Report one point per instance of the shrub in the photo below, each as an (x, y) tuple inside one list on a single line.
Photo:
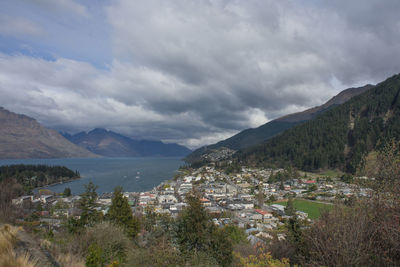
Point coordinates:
[(109, 238)]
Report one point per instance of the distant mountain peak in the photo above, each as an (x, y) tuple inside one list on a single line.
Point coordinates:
[(111, 144), (98, 130)]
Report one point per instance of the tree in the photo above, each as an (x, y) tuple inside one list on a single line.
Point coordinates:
[(95, 256), (281, 186), (9, 189), (271, 199), (193, 227), (289, 209), (347, 178), (260, 196), (150, 219), (235, 234), (121, 214), (89, 215), (220, 247), (261, 260), (196, 233), (388, 175), (67, 192), (110, 238), (313, 187)]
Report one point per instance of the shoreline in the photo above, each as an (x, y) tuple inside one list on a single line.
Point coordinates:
[(57, 183), (108, 174)]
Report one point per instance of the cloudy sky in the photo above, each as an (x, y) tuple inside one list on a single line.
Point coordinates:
[(192, 72)]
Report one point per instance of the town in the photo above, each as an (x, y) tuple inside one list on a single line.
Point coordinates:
[(253, 199)]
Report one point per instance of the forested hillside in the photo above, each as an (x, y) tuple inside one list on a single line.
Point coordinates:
[(339, 138), (32, 176), (255, 136)]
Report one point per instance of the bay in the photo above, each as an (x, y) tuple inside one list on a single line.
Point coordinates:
[(133, 174)]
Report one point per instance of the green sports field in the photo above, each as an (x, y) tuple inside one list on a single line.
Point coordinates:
[(313, 209)]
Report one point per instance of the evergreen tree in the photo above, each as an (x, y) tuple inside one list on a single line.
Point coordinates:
[(121, 214), (196, 233), (193, 225), (271, 199), (281, 186), (150, 219), (95, 257), (260, 196), (89, 215), (67, 192), (235, 234), (290, 209)]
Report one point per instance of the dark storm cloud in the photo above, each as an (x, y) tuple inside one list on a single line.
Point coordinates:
[(199, 71)]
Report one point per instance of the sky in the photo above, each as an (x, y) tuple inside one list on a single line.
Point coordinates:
[(192, 72)]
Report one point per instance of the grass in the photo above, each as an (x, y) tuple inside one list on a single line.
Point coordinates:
[(313, 209), (331, 173), (323, 174), (8, 257)]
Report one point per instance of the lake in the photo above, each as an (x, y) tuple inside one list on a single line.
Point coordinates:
[(133, 174)]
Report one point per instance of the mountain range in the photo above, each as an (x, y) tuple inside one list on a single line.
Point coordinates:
[(339, 138), (111, 144), (23, 137), (254, 136)]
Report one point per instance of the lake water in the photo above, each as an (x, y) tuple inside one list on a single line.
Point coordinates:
[(133, 174)]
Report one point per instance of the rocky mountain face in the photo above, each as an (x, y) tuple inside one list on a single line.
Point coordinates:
[(111, 144), (23, 137), (254, 136)]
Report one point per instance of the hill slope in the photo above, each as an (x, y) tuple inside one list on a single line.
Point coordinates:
[(254, 136), (340, 137), (23, 137), (110, 144)]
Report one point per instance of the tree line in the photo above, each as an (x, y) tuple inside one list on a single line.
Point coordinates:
[(33, 176)]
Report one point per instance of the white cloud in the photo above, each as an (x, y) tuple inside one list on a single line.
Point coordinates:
[(17, 26), (61, 6)]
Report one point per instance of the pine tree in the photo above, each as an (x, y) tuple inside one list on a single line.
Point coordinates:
[(193, 226), (89, 215), (67, 192), (120, 213), (95, 257), (196, 233), (290, 210), (260, 196)]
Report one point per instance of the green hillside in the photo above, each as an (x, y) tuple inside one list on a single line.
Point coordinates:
[(254, 136), (340, 137)]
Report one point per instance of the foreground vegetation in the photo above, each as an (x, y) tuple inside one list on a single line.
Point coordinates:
[(8, 256)]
